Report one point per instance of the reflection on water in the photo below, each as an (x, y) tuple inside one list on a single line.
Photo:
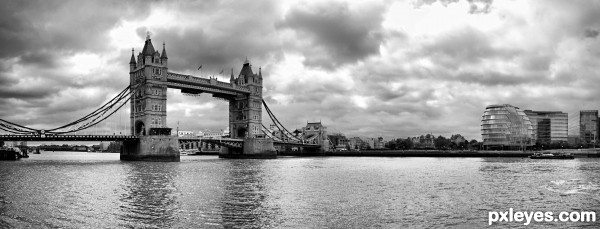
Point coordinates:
[(244, 196), (149, 199), (81, 190)]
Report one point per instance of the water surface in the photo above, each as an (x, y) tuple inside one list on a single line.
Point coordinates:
[(93, 190)]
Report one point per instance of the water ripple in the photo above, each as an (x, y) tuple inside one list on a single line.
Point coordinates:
[(69, 190)]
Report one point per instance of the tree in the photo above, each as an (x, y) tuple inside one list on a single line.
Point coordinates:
[(441, 142), (404, 143), (392, 144), (453, 145)]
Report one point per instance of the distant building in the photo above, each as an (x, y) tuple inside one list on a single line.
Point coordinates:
[(104, 146), (423, 142), (574, 140), (588, 126), (339, 141), (185, 134), (549, 126), (374, 143), (505, 126), (355, 143), (379, 144), (79, 148), (275, 132), (315, 132), (212, 134), (226, 133), (313, 128)]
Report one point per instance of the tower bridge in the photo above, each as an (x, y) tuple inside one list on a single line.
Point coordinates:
[(150, 138)]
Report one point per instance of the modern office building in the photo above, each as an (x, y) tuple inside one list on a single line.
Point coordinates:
[(588, 126), (549, 126), (506, 127)]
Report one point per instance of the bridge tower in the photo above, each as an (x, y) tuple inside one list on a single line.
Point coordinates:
[(148, 77), (245, 117), (245, 111)]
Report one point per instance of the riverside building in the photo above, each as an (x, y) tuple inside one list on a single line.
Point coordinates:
[(506, 127), (549, 126), (588, 126)]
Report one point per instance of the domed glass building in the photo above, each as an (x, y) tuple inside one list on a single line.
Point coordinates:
[(506, 127)]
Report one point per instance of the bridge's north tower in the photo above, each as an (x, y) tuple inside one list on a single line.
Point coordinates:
[(147, 77)]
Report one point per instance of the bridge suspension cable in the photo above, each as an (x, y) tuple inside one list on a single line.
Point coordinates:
[(99, 115), (90, 120), (15, 128), (268, 133), (278, 124), (100, 110)]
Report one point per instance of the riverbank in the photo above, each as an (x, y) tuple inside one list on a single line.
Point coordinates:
[(432, 153), (422, 153)]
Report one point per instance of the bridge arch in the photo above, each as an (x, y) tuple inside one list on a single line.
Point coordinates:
[(241, 132), (140, 128)]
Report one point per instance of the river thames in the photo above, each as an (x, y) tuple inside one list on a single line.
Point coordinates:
[(93, 190)]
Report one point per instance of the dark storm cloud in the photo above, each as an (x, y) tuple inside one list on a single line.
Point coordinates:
[(53, 27), (313, 93), (36, 40), (39, 35), (29, 93), (42, 58), (492, 78), (466, 45), (194, 48), (223, 45), (480, 6), (591, 33), (338, 34)]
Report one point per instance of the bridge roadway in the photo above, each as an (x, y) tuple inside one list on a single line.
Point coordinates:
[(223, 141), (232, 141), (16, 137)]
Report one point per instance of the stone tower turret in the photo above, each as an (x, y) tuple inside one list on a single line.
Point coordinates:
[(245, 112)]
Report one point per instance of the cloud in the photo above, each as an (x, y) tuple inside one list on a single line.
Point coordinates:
[(462, 46), (591, 33), (389, 68), (480, 6), (475, 6), (336, 33), (220, 39)]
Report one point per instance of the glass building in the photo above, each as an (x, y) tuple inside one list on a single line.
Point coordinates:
[(588, 126), (549, 126), (506, 127)]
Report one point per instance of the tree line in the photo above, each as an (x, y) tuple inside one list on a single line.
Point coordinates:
[(428, 141)]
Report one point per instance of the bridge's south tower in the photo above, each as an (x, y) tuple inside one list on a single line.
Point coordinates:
[(245, 117), (245, 111), (148, 78)]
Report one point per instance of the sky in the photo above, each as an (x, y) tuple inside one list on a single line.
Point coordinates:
[(362, 68)]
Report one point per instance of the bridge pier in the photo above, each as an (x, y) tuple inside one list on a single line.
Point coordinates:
[(151, 148), (253, 148)]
